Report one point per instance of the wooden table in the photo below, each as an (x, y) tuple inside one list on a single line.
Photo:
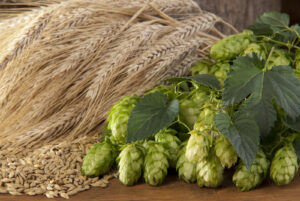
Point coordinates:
[(175, 190)]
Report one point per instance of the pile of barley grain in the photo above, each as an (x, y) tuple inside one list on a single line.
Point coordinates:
[(63, 66)]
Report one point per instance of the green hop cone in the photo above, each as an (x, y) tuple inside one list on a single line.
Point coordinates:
[(255, 48), (168, 90), (118, 118), (99, 159), (210, 171), (278, 58), (220, 70), (284, 165), (168, 139), (156, 164), (201, 67), (186, 168), (246, 180), (191, 105), (198, 146), (225, 151), (130, 163), (205, 120), (231, 46)]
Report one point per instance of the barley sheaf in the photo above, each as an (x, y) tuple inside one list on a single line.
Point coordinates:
[(64, 64)]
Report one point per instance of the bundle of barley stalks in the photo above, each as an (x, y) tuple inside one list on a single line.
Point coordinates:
[(62, 66)]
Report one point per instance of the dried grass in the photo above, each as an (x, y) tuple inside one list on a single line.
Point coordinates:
[(63, 66)]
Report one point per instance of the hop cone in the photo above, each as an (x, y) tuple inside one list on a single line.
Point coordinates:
[(190, 106), (278, 58), (284, 165), (167, 138), (255, 48), (231, 46), (130, 163), (99, 159), (156, 164), (118, 118), (168, 90), (210, 171), (246, 180), (201, 67), (198, 146), (220, 70), (186, 168), (225, 151), (205, 120)]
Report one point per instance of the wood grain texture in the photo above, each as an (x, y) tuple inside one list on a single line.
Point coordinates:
[(175, 190), (240, 13)]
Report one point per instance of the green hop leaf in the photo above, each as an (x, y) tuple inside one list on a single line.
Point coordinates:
[(152, 113), (249, 77), (270, 23), (242, 132)]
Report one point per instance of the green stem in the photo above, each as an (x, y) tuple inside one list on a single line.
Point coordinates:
[(279, 43), (267, 62)]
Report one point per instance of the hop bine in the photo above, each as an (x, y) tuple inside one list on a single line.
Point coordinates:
[(168, 139), (130, 163), (156, 163), (246, 180), (210, 171), (231, 46), (186, 168), (99, 159), (118, 118), (284, 165)]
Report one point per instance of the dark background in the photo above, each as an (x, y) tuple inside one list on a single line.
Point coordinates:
[(240, 13)]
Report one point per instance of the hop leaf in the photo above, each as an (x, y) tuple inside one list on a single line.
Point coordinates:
[(284, 165), (225, 151), (168, 139), (210, 171), (251, 81), (118, 118), (130, 163), (99, 159), (231, 46), (156, 163), (246, 180), (186, 168)]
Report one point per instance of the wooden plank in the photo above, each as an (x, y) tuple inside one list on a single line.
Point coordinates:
[(175, 190)]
